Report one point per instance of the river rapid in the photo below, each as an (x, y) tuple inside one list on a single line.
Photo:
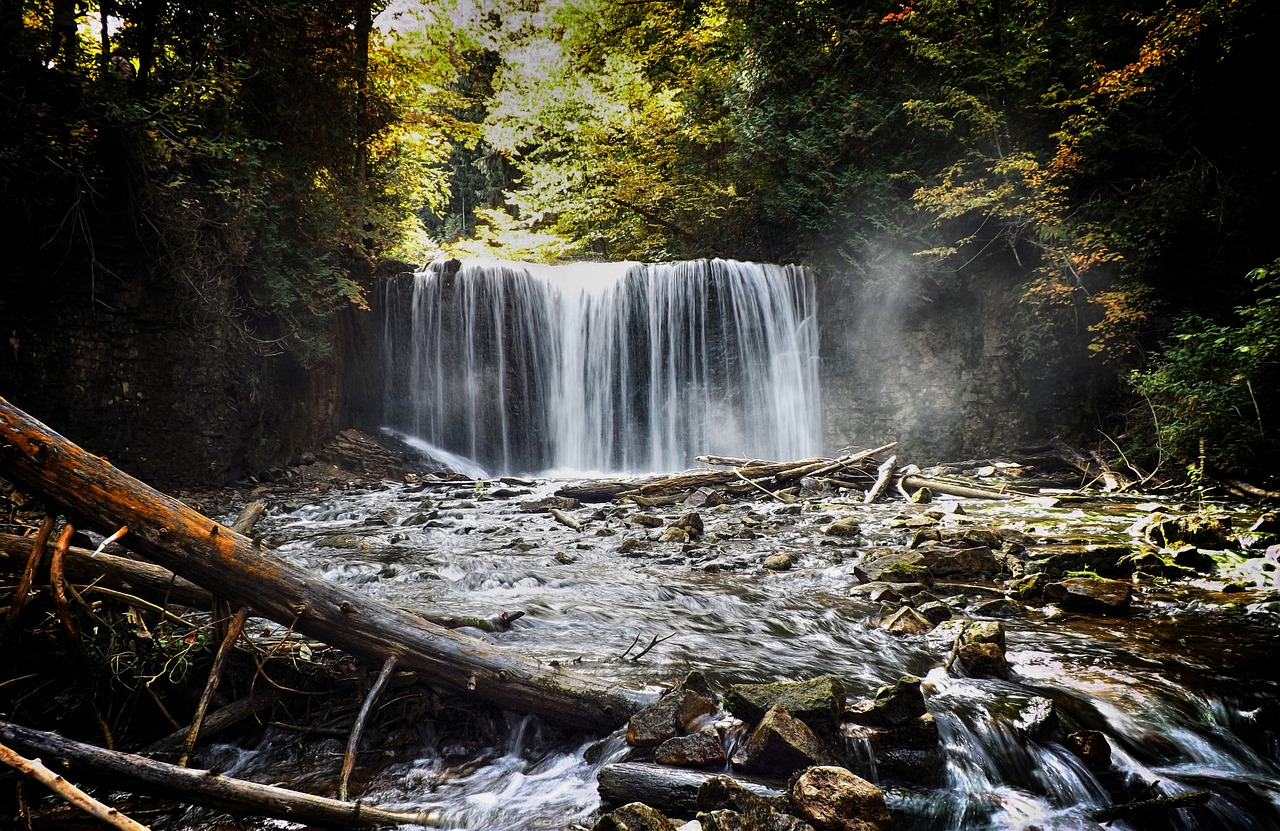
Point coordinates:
[(1183, 687)]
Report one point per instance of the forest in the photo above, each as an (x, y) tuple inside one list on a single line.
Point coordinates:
[(250, 161)]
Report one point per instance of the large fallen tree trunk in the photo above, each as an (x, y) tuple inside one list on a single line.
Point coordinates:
[(238, 569), (126, 771)]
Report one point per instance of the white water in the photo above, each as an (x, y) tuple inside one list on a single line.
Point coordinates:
[(607, 366)]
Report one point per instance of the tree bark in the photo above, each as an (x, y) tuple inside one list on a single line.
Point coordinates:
[(127, 771), (233, 566)]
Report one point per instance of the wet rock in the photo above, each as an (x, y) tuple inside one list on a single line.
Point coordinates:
[(925, 535), (878, 591), (1090, 595), (1105, 560), (922, 767), (781, 745), (935, 611), (634, 817), (726, 793), (892, 706), (843, 527), (998, 607), (778, 562), (907, 621), (703, 498), (560, 503), (818, 702), (890, 565), (682, 710), (983, 660), (646, 520), (1030, 587), (945, 560), (673, 534), (921, 496), (1188, 556), (1149, 562), (630, 545), (920, 733), (700, 750), (734, 821), (833, 798), (1092, 748), (690, 524), (1203, 529), (1038, 720)]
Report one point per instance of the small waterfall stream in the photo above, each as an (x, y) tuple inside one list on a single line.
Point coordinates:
[(605, 366)]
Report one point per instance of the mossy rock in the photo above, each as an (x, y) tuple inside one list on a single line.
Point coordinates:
[(819, 702)]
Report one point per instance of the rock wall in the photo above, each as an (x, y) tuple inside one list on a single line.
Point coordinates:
[(950, 369)]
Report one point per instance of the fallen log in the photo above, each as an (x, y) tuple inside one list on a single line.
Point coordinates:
[(1142, 807), (913, 482), (148, 581), (234, 567), (130, 772), (671, 790)]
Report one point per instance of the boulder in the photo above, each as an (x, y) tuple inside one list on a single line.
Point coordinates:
[(1092, 748), (1091, 595), (944, 560), (634, 817), (698, 750), (893, 705), (907, 621), (891, 565), (780, 745), (843, 527), (818, 702), (1038, 719), (1059, 561), (983, 660), (681, 710), (833, 798)]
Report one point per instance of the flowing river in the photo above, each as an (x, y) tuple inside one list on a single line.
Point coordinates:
[(1183, 687)]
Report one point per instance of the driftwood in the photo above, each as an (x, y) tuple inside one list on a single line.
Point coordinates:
[(883, 476), (177, 537), (357, 728), (913, 482), (671, 790), (259, 698), (1146, 806), (127, 771), (37, 770), (757, 474)]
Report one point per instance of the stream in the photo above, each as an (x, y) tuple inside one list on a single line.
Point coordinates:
[(1183, 687)]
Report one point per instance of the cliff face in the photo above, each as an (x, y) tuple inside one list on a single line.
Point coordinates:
[(134, 372), (952, 370)]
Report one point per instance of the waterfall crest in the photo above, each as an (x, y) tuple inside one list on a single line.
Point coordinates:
[(619, 367)]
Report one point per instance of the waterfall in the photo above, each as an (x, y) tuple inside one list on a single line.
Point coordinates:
[(617, 367)]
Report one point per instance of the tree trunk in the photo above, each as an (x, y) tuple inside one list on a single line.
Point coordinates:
[(236, 568)]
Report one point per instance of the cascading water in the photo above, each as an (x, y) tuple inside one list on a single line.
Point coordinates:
[(606, 367)]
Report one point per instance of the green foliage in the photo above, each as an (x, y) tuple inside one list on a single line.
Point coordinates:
[(1215, 383)]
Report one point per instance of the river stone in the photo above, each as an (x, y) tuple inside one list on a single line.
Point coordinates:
[(698, 750), (1159, 565), (935, 611), (907, 621), (703, 497), (893, 705), (1090, 595), (878, 591), (727, 793), (780, 745), (1092, 749), (682, 710), (918, 733), (635, 816), (1001, 607), (778, 562), (1038, 719), (835, 799), (891, 565), (562, 503), (724, 820), (818, 702), (843, 527), (948, 561), (983, 660), (1029, 587), (1099, 559), (1188, 556)]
